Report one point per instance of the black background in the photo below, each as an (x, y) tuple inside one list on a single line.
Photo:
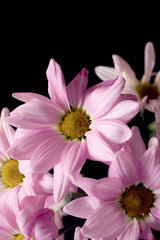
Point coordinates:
[(76, 36)]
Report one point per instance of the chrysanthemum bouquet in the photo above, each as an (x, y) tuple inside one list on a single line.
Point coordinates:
[(46, 142)]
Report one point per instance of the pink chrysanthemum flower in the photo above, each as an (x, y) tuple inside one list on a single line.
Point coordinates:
[(74, 125), (26, 219), (141, 88), (126, 205), (14, 172)]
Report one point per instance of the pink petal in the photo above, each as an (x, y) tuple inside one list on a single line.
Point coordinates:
[(61, 183), (56, 84), (35, 114), (78, 234), (47, 154), (86, 184), (153, 222), (98, 148), (4, 143), (81, 207), (73, 157), (24, 147), (76, 89), (124, 110), (44, 227), (136, 143), (145, 232), (10, 205), (25, 218), (149, 60), (131, 232), (105, 73), (125, 70), (125, 167), (114, 130), (27, 96), (107, 222), (108, 189), (5, 235), (102, 99), (151, 167)]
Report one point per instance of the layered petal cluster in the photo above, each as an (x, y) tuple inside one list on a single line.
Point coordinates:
[(13, 172), (75, 124), (126, 205), (139, 88), (27, 219)]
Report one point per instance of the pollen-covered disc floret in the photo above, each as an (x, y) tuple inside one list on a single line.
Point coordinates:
[(11, 175), (19, 237), (75, 124), (147, 89), (137, 200)]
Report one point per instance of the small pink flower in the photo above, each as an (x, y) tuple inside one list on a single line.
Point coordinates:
[(26, 219), (74, 125), (140, 88), (127, 203)]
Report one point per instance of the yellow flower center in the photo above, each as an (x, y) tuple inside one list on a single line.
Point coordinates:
[(137, 201), (147, 89), (11, 175), (75, 124), (19, 237)]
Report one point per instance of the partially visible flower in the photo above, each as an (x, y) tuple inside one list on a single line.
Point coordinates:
[(26, 219), (14, 172), (126, 205), (77, 123), (141, 88)]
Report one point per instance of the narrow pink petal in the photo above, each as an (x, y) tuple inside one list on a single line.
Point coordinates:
[(107, 222), (47, 154), (103, 99), (125, 167), (10, 205), (44, 227), (78, 234), (86, 184), (56, 84), (125, 70), (35, 114), (131, 232), (149, 60), (73, 157), (76, 89), (157, 80), (98, 148), (151, 167), (114, 130), (153, 222), (108, 189), (124, 110), (145, 232), (24, 147), (27, 96), (81, 207), (136, 143), (6, 132), (25, 220), (61, 183), (105, 73)]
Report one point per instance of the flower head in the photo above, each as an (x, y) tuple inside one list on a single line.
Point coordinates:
[(140, 88), (125, 204), (77, 123), (26, 219)]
